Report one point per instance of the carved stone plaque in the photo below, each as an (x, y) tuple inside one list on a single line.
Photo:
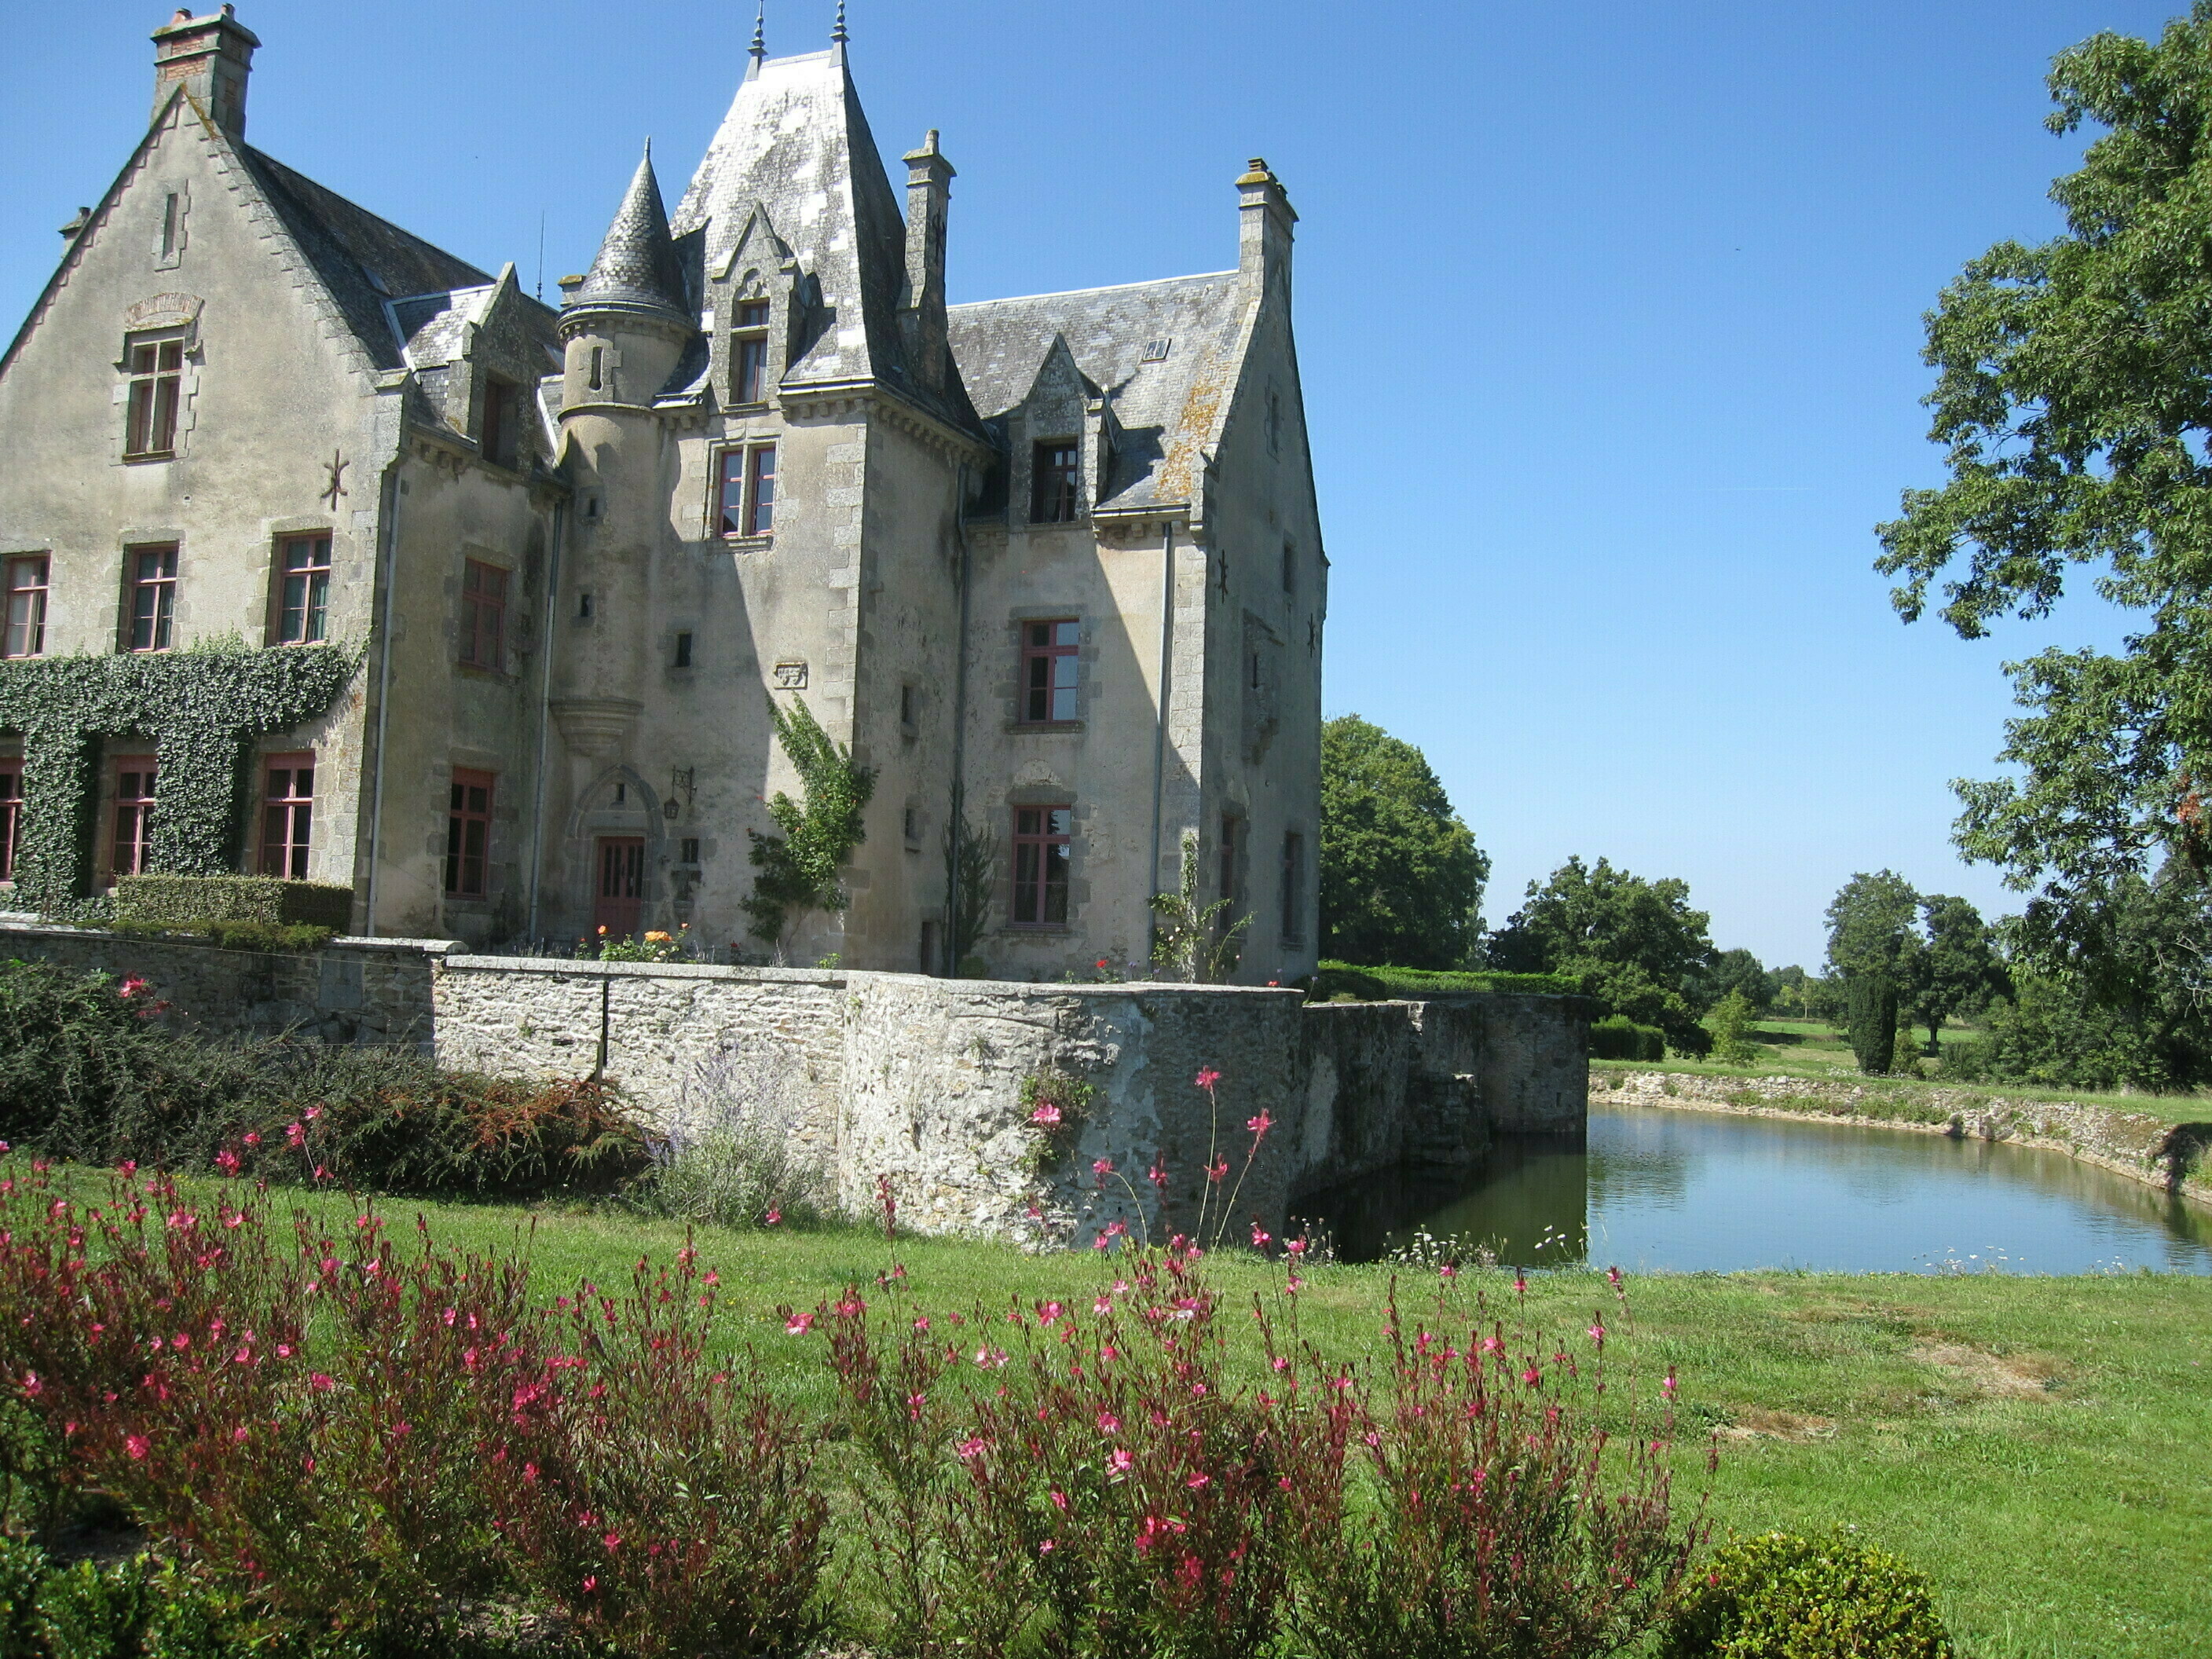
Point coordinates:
[(791, 677)]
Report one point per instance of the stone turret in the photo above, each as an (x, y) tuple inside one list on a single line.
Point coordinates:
[(212, 56), (625, 325)]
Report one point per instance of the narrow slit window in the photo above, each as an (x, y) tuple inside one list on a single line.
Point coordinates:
[(170, 204), (26, 608), (503, 422), (1231, 834), (1054, 481), (1051, 666), (1294, 887), (135, 779), (468, 834), (303, 590), (682, 651), (598, 369), (749, 354), (157, 374), (1043, 839), (287, 816), (483, 615), (153, 597)]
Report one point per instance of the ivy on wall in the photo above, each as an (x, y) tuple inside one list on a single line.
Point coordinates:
[(201, 709)]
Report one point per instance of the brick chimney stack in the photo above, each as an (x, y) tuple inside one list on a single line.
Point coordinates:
[(212, 56)]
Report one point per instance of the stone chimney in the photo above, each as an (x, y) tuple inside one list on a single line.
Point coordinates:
[(928, 190), (212, 56), (1264, 242)]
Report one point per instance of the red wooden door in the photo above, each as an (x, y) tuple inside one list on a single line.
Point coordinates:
[(622, 886)]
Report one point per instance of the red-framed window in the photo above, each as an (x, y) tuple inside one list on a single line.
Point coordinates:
[(135, 782), (303, 590), (749, 354), (26, 635), (1051, 668), (157, 378), (1055, 479), (746, 490), (1042, 838), (483, 615), (288, 815), (468, 834), (153, 597), (11, 812), (1294, 887)]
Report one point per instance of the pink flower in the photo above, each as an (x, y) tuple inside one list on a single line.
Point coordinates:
[(1668, 1386), (613, 1541), (130, 987), (1158, 1176), (314, 1112), (1050, 1311), (1101, 1167), (1109, 1423), (800, 1324), (32, 1387), (774, 1217), (253, 1137), (1101, 1303), (972, 1447), (137, 1445), (1259, 1126), (1047, 1115), (1060, 1500), (1206, 1078), (1199, 1482), (227, 1161), (1597, 1334), (1281, 1363), (321, 1382), (1295, 1246), (1532, 1376), (1260, 1239), (590, 1584), (295, 1134), (1214, 1172), (1045, 1547), (1120, 1462)]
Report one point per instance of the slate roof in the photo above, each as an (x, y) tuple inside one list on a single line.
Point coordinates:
[(637, 264), (1165, 407)]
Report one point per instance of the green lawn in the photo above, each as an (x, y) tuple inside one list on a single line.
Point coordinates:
[(2037, 1446), (1809, 1048)]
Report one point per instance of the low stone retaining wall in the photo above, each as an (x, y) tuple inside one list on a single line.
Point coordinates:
[(920, 1080), (2170, 1156)]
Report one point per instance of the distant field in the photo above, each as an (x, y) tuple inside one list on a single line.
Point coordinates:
[(1809, 1048)]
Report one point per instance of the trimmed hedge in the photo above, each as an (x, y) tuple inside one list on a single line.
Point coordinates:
[(191, 902), (1332, 980), (1619, 1037), (1783, 1596)]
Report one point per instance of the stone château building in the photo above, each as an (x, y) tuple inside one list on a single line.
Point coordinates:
[(1051, 564)]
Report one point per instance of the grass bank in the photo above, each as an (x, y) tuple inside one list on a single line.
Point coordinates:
[(2037, 1446)]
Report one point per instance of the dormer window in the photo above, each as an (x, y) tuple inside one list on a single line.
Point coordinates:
[(503, 420), (157, 376), (1055, 477), (749, 354)]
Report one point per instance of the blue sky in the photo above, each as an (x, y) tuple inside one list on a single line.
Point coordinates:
[(1609, 317)]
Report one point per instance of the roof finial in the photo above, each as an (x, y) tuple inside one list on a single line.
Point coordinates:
[(760, 31), (837, 34)]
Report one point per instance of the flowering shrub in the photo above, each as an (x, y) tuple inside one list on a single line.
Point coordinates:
[(1055, 1108), (655, 1494), (653, 946)]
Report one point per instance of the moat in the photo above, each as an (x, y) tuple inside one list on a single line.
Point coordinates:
[(1657, 1189)]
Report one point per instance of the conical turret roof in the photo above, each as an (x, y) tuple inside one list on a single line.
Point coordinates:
[(637, 266)]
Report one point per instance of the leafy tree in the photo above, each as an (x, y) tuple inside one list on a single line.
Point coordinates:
[(1872, 926), (1872, 1018), (1739, 970), (1401, 879), (1731, 1025), (971, 862), (1637, 946), (1195, 943), (2073, 397), (1958, 969), (798, 868)]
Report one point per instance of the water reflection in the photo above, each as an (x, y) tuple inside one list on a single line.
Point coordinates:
[(1663, 1189)]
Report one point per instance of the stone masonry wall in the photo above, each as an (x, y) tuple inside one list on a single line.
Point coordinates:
[(921, 1081)]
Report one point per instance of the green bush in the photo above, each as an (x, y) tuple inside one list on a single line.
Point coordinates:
[(86, 1074), (1731, 1026), (1619, 1037), (1783, 1596), (23, 1567), (1871, 1002), (1333, 982), (197, 901), (91, 1612), (235, 935), (740, 1178)]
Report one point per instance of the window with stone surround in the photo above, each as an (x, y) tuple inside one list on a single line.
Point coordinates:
[(468, 834), (153, 605), (1055, 482), (288, 815), (303, 589), (748, 353), (745, 490), (483, 615), (1051, 671), (26, 634), (1043, 844), (157, 380)]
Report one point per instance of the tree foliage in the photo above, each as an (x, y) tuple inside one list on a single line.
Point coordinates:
[(1401, 877), (1637, 946), (798, 868), (2073, 399)]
